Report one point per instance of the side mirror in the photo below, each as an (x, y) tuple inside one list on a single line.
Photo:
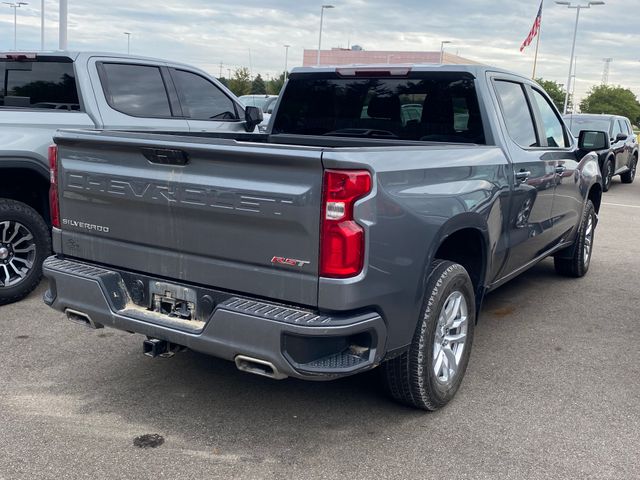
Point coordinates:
[(252, 118), (621, 137), (590, 140)]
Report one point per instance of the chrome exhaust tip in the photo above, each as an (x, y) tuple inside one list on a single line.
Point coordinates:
[(258, 367), (82, 318)]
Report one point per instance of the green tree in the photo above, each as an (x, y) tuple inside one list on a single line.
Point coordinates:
[(612, 100), (240, 83), (258, 87), (275, 85), (224, 81), (555, 91)]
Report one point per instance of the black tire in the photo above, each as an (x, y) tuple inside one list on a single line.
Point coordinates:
[(575, 261), (607, 174), (630, 175), (411, 378), (13, 213)]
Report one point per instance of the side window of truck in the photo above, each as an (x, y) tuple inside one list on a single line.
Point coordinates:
[(553, 129), (201, 99), (516, 112), (136, 90)]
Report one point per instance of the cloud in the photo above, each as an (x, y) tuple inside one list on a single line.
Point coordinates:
[(252, 33)]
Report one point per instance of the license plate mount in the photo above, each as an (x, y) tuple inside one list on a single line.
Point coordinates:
[(175, 301)]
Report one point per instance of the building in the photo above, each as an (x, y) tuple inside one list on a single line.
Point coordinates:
[(356, 55)]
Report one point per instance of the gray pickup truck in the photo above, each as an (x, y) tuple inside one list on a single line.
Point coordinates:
[(42, 92), (363, 229)]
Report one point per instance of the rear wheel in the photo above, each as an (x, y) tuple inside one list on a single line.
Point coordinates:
[(630, 175), (429, 374), (24, 244), (607, 174), (577, 264)]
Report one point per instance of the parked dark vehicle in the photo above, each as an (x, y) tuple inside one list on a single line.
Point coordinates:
[(622, 157), (336, 242)]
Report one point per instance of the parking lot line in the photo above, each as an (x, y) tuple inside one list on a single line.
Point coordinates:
[(620, 205)]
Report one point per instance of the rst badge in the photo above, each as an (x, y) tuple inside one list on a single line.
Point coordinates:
[(291, 262)]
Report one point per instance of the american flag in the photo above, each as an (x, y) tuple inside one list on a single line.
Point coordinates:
[(534, 30)]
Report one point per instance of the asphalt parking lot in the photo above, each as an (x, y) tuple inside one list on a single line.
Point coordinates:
[(552, 391)]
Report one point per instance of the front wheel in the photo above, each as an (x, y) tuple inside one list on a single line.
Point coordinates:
[(24, 244), (428, 375), (578, 256), (630, 175), (607, 175)]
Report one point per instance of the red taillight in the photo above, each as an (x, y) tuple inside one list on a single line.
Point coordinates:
[(54, 205), (341, 238)]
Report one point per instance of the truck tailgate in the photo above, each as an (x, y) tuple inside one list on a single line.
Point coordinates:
[(237, 216)]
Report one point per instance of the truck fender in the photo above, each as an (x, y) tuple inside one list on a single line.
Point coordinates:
[(464, 221), (39, 166)]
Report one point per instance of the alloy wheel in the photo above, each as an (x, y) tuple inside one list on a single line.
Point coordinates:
[(17, 253), (609, 174), (450, 338), (588, 242)]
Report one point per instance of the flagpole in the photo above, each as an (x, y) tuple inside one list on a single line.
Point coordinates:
[(535, 58)]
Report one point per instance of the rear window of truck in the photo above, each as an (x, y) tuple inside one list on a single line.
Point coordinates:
[(421, 107), (41, 84)]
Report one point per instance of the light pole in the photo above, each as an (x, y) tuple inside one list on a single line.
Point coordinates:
[(15, 6), (62, 39), (577, 7), (128, 34), (442, 49), (320, 35), (286, 59), (42, 25)]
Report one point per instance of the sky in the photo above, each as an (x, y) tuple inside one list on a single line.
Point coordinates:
[(208, 33)]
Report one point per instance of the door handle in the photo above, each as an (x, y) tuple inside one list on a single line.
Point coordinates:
[(523, 175), (560, 169)]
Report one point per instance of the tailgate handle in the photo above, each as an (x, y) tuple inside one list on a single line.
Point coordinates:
[(166, 156)]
